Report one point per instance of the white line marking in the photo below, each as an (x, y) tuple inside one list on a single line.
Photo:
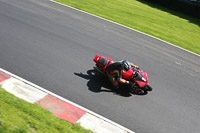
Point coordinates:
[(97, 125), (126, 27), (57, 96)]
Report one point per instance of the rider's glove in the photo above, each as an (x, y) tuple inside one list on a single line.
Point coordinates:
[(137, 67)]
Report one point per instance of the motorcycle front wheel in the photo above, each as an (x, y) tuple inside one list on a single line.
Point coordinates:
[(149, 88), (138, 91)]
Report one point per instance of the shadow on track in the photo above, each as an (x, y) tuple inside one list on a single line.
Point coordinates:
[(99, 83)]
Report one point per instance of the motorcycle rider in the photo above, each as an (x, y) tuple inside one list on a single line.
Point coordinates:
[(115, 69)]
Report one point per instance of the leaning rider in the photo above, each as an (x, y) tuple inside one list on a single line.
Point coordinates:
[(115, 69)]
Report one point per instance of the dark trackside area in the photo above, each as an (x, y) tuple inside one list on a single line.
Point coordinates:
[(189, 7)]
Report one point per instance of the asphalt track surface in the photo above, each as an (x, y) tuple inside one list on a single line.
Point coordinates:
[(53, 46)]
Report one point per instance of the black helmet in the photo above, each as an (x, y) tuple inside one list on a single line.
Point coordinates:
[(126, 65)]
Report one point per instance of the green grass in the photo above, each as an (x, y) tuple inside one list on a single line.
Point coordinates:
[(155, 20), (18, 116)]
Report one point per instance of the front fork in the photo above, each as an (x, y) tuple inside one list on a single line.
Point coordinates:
[(135, 88)]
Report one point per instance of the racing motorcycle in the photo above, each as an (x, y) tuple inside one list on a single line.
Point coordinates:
[(137, 78)]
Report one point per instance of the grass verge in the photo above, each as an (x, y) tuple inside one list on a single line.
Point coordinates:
[(19, 116), (174, 27)]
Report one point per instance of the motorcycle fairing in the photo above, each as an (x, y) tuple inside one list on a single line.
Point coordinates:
[(141, 79), (127, 74)]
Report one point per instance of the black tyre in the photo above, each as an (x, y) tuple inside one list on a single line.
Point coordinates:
[(149, 88), (139, 92)]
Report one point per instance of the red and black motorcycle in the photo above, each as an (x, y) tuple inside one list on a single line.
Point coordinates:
[(138, 78)]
